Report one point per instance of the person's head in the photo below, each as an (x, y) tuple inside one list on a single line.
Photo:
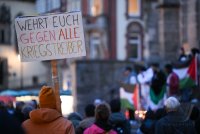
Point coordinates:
[(195, 51), (115, 105), (141, 69), (26, 110), (34, 104), (155, 66), (182, 50), (127, 71), (102, 112), (172, 104), (168, 68), (47, 98), (89, 110), (19, 105)]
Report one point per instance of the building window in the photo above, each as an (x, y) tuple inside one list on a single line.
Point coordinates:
[(3, 73), (95, 7), (133, 8), (95, 43), (2, 36), (73, 5), (134, 41)]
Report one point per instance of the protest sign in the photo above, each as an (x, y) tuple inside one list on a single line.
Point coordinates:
[(49, 37)]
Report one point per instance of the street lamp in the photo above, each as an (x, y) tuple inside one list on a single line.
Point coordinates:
[(21, 71)]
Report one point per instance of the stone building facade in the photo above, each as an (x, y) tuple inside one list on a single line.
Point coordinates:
[(127, 30), (135, 30), (13, 73)]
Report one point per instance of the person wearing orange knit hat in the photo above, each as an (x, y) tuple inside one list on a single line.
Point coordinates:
[(46, 119)]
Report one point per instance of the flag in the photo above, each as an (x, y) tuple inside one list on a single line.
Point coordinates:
[(130, 100), (126, 99), (188, 75), (136, 97)]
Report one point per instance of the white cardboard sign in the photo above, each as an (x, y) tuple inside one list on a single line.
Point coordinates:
[(48, 37)]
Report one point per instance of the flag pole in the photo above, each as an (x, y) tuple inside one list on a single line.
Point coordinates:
[(56, 84)]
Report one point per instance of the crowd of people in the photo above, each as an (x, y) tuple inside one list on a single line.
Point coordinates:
[(161, 83), (103, 117), (44, 118), (173, 118)]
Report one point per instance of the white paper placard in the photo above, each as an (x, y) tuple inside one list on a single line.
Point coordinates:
[(48, 37)]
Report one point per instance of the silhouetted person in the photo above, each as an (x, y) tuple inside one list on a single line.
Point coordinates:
[(18, 111), (172, 81), (75, 118), (101, 125), (195, 116), (148, 124), (158, 80), (89, 119), (8, 123), (26, 110), (174, 122), (182, 57), (117, 118)]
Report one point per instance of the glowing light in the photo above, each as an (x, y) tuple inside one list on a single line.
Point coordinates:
[(94, 11), (18, 56), (140, 114)]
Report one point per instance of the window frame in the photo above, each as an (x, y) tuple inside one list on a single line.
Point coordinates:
[(131, 32), (138, 43)]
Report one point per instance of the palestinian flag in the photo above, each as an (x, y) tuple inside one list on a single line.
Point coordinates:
[(130, 100), (188, 75)]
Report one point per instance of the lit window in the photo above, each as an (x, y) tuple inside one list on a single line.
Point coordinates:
[(133, 8), (96, 7)]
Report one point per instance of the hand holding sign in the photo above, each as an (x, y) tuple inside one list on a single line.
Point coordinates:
[(51, 37)]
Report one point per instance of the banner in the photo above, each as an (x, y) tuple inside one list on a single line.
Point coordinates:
[(48, 37)]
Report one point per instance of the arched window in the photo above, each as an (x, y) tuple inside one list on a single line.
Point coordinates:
[(134, 41)]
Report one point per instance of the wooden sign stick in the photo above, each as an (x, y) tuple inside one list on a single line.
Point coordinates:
[(56, 84)]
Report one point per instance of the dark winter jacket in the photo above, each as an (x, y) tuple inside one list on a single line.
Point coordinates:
[(158, 81), (118, 119), (174, 123), (84, 124), (9, 124)]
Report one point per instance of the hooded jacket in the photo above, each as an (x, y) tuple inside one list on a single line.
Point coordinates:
[(47, 121), (118, 119)]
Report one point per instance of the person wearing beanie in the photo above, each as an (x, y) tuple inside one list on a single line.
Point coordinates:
[(46, 119)]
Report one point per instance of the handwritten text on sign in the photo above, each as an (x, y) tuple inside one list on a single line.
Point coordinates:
[(49, 37)]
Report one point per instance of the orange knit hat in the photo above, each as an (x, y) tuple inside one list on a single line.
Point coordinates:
[(47, 98)]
